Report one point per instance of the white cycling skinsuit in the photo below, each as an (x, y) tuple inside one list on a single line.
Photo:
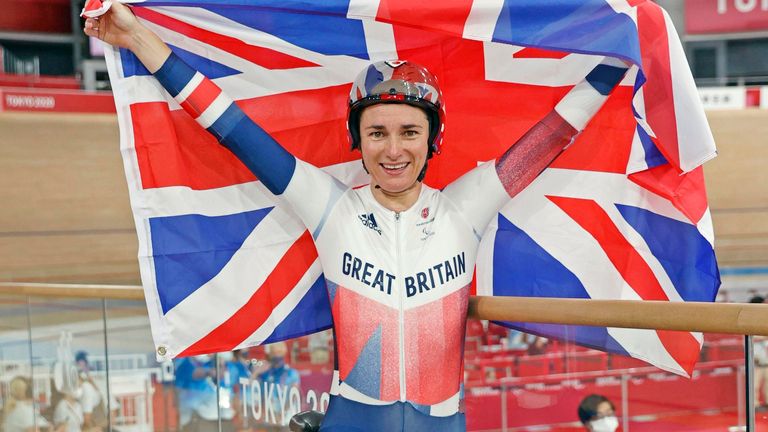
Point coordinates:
[(398, 283)]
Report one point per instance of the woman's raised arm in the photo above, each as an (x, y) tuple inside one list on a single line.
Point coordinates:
[(217, 113)]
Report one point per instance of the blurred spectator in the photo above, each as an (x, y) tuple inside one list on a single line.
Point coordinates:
[(197, 398), (538, 346), (68, 413), (520, 340), (236, 366), (81, 361), (91, 400), (281, 374), (517, 340), (21, 414), (598, 414)]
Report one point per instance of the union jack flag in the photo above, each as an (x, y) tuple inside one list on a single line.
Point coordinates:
[(622, 213)]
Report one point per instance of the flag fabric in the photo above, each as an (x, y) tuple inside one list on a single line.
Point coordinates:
[(622, 213)]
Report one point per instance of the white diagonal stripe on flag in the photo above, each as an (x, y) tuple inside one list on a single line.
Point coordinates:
[(640, 342), (481, 22), (248, 268), (182, 200), (282, 310)]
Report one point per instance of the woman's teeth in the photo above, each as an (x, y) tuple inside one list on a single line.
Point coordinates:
[(395, 166)]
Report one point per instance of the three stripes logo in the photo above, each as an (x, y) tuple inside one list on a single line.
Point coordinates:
[(369, 221)]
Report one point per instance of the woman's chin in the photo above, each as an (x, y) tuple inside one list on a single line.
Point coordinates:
[(397, 187)]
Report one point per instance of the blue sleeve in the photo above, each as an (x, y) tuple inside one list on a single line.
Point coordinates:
[(221, 116)]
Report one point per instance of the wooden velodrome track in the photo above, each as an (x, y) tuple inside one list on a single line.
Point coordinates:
[(65, 215)]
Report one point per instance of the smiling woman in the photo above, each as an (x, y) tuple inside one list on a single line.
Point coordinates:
[(394, 148)]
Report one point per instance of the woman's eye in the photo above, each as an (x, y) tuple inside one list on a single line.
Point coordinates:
[(411, 133), (376, 134)]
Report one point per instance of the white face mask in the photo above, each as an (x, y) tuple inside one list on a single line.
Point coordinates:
[(605, 424)]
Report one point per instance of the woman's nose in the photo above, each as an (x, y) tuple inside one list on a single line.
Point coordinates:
[(393, 147)]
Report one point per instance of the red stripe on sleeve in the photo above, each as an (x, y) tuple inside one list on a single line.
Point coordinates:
[(201, 98)]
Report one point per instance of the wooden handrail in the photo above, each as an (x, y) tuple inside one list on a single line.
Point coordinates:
[(736, 318), (117, 292)]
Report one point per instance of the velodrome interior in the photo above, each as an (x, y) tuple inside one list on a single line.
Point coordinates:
[(66, 218), (66, 215)]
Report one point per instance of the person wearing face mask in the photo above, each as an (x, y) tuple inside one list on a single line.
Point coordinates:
[(196, 392), (93, 403), (283, 376), (237, 366), (598, 414)]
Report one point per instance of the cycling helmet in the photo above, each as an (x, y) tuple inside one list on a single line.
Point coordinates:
[(396, 81)]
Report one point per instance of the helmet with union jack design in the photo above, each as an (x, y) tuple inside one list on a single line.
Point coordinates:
[(397, 81)]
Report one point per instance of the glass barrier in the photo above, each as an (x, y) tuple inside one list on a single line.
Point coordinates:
[(62, 331), (515, 381), (93, 362), (256, 389), (17, 395), (140, 394)]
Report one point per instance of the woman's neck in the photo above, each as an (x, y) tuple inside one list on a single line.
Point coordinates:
[(397, 201)]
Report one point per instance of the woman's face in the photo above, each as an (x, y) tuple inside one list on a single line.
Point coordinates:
[(394, 145)]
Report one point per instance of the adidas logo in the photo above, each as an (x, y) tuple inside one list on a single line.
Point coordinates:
[(369, 221)]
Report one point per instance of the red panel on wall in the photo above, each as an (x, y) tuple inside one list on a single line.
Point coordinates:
[(725, 16), (46, 16), (41, 81), (14, 99)]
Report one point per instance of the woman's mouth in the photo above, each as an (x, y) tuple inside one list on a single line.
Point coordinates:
[(394, 168)]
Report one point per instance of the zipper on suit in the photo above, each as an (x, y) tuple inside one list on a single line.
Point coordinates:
[(401, 309)]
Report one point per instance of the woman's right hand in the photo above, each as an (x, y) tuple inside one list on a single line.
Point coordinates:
[(117, 27)]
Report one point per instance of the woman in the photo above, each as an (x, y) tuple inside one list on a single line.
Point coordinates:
[(398, 256), (68, 414), (21, 414)]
